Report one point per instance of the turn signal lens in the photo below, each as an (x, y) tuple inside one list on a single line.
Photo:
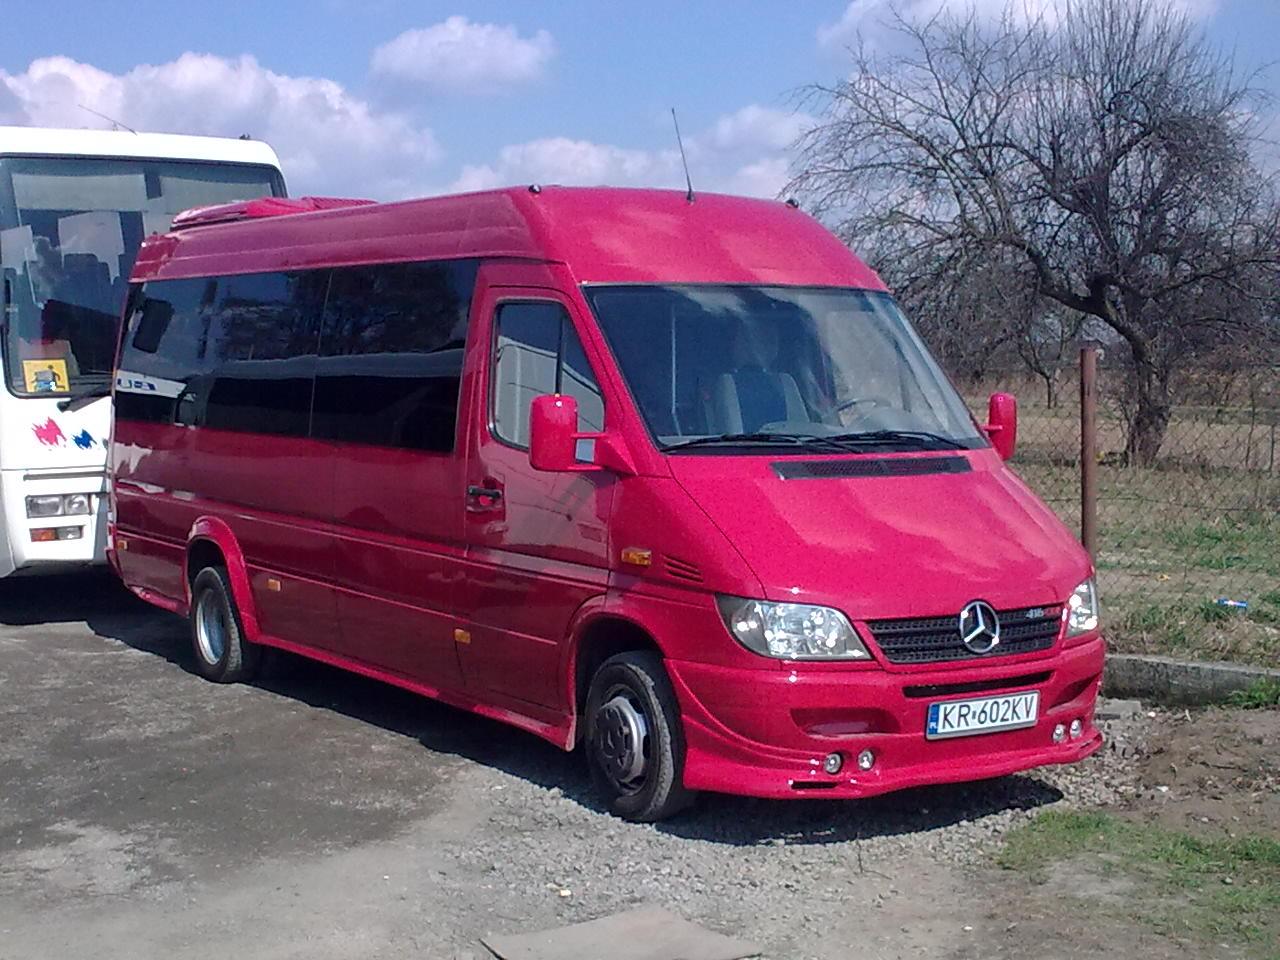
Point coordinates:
[(50, 534), (1082, 609)]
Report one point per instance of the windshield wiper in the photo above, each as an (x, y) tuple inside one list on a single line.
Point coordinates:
[(85, 398), (919, 439), (757, 439)]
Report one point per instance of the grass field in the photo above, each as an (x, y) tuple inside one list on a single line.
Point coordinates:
[(1202, 525)]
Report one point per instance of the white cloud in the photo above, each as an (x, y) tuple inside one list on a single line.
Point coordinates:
[(743, 152), (460, 56), (329, 141), (572, 162), (755, 126), (867, 15)]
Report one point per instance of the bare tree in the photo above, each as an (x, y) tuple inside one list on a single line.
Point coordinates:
[(1107, 150)]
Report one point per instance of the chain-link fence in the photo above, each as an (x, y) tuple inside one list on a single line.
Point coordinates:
[(1188, 548)]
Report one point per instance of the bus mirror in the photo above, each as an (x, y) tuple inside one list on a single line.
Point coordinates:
[(556, 446), (1002, 423)]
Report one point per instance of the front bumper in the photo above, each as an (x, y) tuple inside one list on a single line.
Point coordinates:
[(23, 555), (765, 734)]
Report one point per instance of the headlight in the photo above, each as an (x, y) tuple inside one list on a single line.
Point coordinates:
[(75, 504), (791, 631), (1082, 609), (53, 505), (46, 506)]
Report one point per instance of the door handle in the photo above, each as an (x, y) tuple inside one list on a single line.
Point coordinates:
[(478, 493)]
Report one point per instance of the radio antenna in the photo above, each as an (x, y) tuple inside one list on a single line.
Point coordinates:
[(683, 159), (115, 124)]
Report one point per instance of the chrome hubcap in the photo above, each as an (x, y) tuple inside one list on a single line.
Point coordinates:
[(622, 740), (211, 628)]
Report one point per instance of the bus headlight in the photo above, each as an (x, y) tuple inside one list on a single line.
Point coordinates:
[(55, 505), (75, 505), (791, 631), (44, 506), (1082, 609)]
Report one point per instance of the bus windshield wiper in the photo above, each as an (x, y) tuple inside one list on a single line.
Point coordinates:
[(918, 439), (84, 398), (756, 439)]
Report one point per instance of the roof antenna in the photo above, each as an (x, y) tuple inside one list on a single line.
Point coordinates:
[(683, 159), (115, 124)]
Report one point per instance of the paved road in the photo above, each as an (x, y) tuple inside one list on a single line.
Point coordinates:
[(145, 812)]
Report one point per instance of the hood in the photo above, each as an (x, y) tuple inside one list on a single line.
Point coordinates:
[(885, 546), (38, 436)]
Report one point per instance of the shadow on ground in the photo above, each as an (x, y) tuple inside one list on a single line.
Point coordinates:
[(113, 613)]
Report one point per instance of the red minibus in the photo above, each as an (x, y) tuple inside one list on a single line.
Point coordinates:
[(670, 478)]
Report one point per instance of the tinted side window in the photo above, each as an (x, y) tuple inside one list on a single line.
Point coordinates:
[(233, 353), (267, 341), (536, 352), (391, 354)]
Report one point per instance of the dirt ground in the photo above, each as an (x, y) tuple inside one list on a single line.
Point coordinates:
[(147, 813)]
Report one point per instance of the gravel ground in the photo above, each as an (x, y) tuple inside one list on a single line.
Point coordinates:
[(147, 813)]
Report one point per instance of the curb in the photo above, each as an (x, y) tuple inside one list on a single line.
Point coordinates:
[(1180, 682)]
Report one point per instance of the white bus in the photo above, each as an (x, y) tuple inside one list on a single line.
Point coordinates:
[(74, 207)]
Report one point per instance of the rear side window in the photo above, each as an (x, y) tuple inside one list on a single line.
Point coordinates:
[(391, 354), (232, 353), (536, 352)]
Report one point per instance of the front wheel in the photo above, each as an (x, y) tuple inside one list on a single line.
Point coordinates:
[(634, 743)]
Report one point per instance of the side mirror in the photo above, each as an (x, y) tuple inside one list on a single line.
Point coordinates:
[(553, 427), (1002, 423), (554, 437)]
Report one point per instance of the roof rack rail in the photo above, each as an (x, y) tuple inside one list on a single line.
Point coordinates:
[(259, 209)]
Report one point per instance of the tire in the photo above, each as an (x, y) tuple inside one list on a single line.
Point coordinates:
[(630, 695), (217, 635)]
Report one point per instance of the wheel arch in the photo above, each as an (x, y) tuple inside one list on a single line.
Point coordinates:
[(209, 542), (596, 634)]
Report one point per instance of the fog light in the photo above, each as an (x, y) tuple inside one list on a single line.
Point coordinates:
[(1059, 733), (1077, 728), (866, 760), (833, 763)]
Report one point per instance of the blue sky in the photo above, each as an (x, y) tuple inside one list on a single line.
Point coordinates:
[(390, 98)]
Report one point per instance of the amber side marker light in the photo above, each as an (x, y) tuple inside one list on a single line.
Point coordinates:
[(637, 556)]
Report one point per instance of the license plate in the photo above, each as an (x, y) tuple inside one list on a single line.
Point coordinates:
[(963, 718)]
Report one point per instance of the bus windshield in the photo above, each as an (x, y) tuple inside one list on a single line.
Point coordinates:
[(70, 229), (763, 366)]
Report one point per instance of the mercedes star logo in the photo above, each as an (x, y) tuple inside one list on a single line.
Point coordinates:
[(979, 627)]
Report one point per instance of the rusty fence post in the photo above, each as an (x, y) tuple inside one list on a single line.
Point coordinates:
[(1089, 448)]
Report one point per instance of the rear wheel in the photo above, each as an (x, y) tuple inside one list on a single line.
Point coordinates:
[(217, 635), (634, 742)]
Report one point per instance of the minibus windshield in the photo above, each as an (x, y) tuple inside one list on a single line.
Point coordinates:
[(70, 229), (760, 367)]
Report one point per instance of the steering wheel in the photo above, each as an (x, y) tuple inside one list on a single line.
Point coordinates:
[(853, 402)]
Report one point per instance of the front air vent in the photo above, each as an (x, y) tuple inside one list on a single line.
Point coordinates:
[(869, 467), (682, 570)]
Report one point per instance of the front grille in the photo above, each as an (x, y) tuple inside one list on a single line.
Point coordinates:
[(931, 639)]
